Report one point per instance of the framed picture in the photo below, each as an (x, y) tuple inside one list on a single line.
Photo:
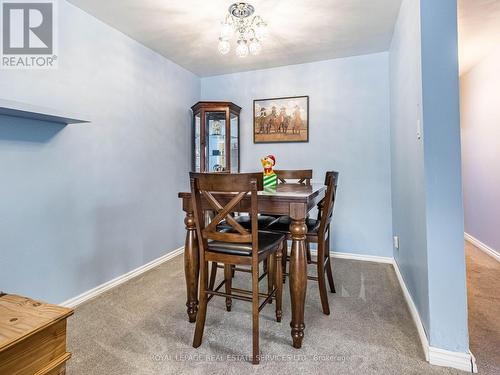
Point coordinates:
[(280, 120)]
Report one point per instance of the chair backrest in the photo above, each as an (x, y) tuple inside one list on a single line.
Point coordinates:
[(327, 204), (205, 186), (304, 176)]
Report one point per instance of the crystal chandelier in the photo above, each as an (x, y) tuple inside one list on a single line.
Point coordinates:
[(250, 31)]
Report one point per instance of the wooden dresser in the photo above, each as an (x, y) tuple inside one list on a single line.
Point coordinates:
[(32, 337)]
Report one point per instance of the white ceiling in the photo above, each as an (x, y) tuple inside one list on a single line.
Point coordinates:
[(187, 31), (479, 30)]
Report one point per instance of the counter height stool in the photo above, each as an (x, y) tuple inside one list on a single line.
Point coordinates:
[(300, 176), (318, 231), (235, 246)]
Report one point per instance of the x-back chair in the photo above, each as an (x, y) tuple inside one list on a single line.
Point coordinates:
[(285, 176), (318, 231), (302, 176), (299, 176), (234, 246)]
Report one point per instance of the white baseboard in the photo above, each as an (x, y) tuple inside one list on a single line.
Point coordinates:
[(413, 311), (483, 247), (446, 358), (352, 256), (433, 355), (365, 258), (94, 292), (474, 364)]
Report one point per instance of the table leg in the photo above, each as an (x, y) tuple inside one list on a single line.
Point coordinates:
[(191, 266), (298, 276)]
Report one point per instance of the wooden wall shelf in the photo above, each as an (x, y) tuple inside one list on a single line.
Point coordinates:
[(32, 112)]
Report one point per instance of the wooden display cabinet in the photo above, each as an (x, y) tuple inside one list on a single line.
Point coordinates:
[(216, 137)]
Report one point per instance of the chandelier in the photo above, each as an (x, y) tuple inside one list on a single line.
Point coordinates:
[(250, 31)]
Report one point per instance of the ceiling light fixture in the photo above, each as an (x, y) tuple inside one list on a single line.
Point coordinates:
[(250, 32)]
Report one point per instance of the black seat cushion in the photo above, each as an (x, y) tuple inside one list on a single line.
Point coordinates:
[(282, 225), (263, 222), (267, 241)]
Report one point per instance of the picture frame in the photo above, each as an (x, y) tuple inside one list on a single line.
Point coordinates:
[(281, 120)]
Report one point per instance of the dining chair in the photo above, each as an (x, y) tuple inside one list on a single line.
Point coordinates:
[(302, 176), (299, 176), (235, 246), (319, 232)]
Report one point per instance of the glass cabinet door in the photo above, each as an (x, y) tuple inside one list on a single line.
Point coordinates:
[(235, 144), (197, 143), (215, 137), (215, 130)]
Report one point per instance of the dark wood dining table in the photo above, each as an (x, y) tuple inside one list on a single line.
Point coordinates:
[(294, 200)]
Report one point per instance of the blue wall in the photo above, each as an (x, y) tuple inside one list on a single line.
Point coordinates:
[(349, 132), (83, 204), (443, 179), (407, 156), (426, 178)]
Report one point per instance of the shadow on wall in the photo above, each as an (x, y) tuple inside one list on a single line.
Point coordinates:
[(17, 129)]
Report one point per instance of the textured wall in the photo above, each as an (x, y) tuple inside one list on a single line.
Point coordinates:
[(349, 132), (408, 192), (426, 177), (83, 204), (443, 177), (480, 115)]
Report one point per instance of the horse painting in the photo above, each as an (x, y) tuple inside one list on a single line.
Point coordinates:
[(281, 120), (296, 121), (284, 121), (263, 124)]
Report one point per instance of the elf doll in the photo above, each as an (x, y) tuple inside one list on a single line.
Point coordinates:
[(270, 178)]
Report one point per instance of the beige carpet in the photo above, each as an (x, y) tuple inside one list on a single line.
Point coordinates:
[(483, 294), (141, 327)]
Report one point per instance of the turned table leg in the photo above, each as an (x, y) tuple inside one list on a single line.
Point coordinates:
[(298, 273), (191, 265)]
